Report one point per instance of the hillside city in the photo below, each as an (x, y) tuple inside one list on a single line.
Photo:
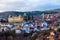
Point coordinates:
[(25, 27)]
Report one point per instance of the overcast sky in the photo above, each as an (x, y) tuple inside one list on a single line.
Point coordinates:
[(28, 5)]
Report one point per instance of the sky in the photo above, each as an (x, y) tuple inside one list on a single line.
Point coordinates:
[(28, 5)]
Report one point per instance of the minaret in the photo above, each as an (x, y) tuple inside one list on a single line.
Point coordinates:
[(42, 16), (24, 14)]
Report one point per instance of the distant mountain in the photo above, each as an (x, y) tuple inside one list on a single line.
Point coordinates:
[(56, 9), (14, 13)]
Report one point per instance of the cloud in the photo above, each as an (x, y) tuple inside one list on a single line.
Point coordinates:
[(26, 5), (55, 2)]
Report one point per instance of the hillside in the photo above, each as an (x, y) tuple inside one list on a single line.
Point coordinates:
[(14, 13)]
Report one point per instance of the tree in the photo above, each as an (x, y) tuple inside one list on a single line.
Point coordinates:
[(3, 20), (25, 18)]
